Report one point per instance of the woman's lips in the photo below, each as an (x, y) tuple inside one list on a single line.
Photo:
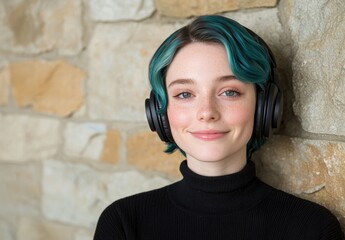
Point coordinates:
[(208, 135)]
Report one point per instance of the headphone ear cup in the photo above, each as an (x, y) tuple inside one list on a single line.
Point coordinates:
[(269, 109), (150, 114), (259, 113), (157, 121), (278, 110), (165, 126)]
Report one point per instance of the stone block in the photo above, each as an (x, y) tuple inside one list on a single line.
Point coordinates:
[(111, 147), (6, 231), (85, 234), (117, 10), (24, 138), (52, 87), (38, 26), (20, 191), (180, 8), (318, 63), (265, 23), (77, 194), (146, 151), (312, 169), (118, 59), (85, 140), (4, 85), (33, 229)]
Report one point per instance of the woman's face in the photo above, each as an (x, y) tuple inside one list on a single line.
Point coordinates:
[(211, 113)]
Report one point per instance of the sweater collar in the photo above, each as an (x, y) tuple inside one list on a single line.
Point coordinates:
[(217, 195), (226, 183)]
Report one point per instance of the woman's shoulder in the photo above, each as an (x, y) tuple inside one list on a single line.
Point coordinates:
[(294, 210), (137, 201), (150, 196), (291, 202), (119, 218)]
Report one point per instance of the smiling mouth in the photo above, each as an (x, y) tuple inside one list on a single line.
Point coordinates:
[(209, 135)]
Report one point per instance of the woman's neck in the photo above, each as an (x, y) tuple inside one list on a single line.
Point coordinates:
[(219, 167)]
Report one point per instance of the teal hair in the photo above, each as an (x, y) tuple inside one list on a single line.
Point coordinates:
[(249, 60)]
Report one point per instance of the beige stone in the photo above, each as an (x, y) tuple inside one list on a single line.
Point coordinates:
[(54, 87), (32, 229), (77, 194), (85, 234), (312, 169), (146, 151), (119, 56), (20, 189), (265, 23), (257, 3), (27, 78), (37, 26), (111, 149), (4, 86), (24, 138), (117, 10), (6, 230), (318, 63), (180, 8), (64, 26), (84, 140)]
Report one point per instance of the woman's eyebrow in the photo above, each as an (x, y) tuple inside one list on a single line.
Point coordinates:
[(190, 81), (181, 81), (227, 78)]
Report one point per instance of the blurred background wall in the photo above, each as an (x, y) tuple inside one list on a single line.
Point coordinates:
[(73, 81)]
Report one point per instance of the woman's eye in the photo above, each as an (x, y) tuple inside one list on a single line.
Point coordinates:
[(184, 95), (231, 93)]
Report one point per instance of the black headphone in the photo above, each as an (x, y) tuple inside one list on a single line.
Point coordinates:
[(268, 113)]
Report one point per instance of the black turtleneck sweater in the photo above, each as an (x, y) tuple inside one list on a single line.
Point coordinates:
[(235, 206)]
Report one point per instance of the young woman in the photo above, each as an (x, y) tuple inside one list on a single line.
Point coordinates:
[(216, 98)]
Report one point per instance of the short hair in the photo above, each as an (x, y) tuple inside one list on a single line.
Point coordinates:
[(248, 59)]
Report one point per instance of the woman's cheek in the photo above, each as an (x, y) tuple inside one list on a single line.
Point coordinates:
[(177, 117), (241, 116)]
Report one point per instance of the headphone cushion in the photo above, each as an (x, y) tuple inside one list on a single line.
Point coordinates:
[(269, 109), (259, 113), (158, 121)]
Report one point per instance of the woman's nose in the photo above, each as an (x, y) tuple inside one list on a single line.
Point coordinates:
[(208, 110)]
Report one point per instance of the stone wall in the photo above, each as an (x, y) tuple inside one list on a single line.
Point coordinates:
[(73, 80)]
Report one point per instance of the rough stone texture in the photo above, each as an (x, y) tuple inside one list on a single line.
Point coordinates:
[(6, 232), (116, 10), (32, 229), (312, 169), (20, 190), (24, 138), (84, 140), (119, 56), (42, 198), (111, 147), (38, 229), (84, 234), (258, 21), (53, 87), (77, 194), (146, 152), (181, 8), (4, 86), (317, 29), (37, 26)]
